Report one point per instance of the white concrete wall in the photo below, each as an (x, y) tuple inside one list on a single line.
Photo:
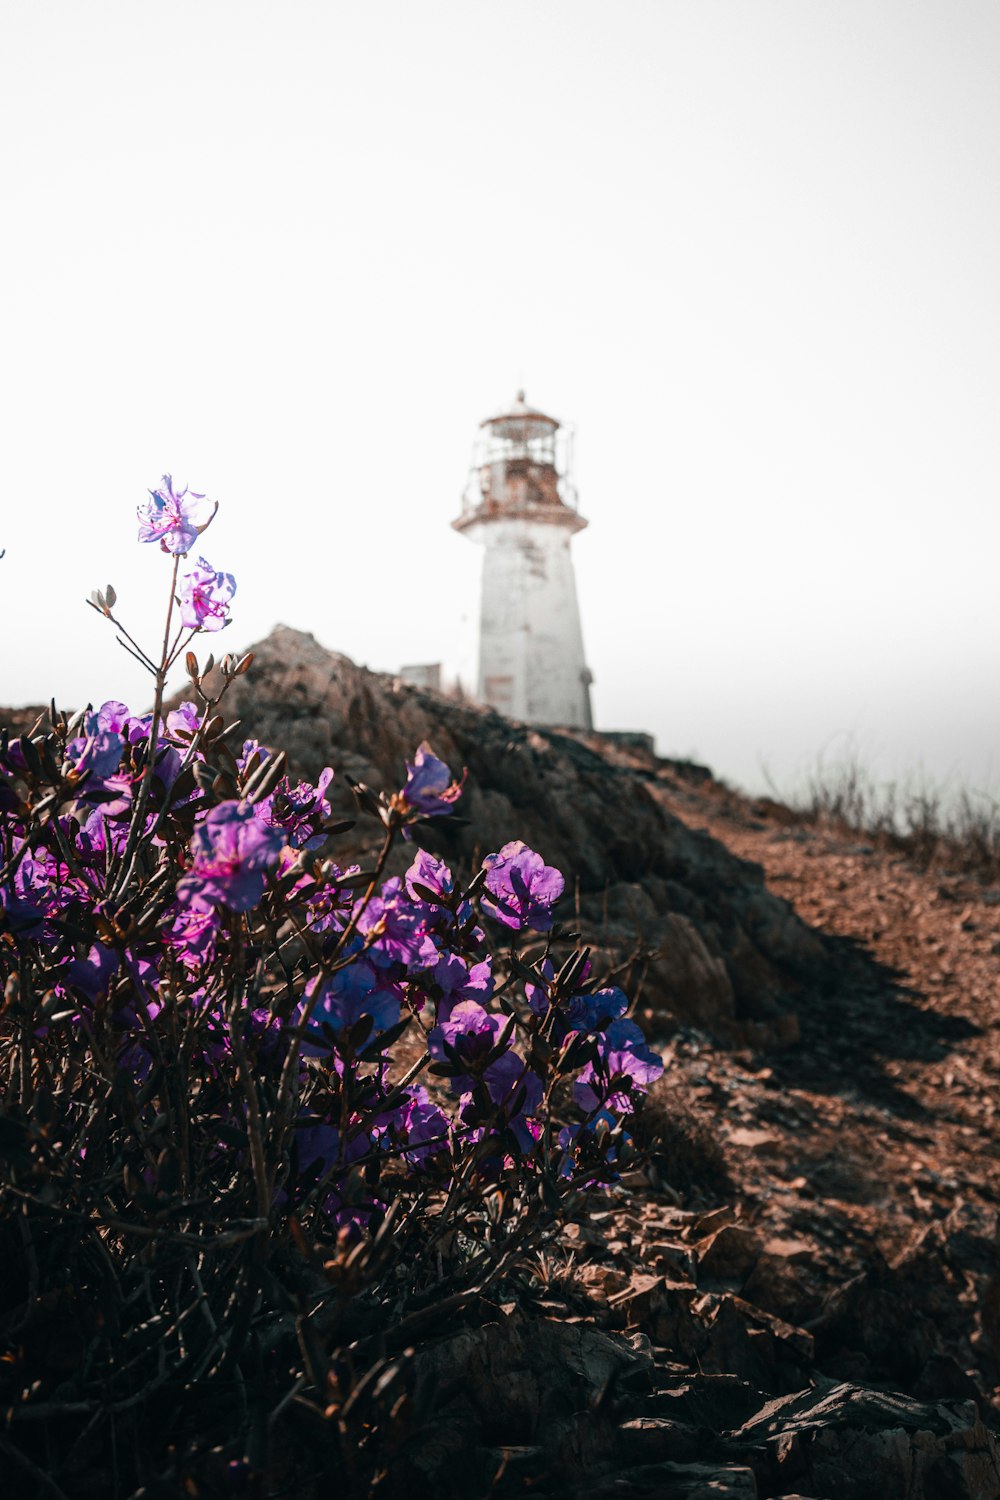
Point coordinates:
[(531, 662)]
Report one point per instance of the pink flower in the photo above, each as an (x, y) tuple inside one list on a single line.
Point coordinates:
[(231, 854), (429, 788), (204, 597), (522, 888), (174, 518)]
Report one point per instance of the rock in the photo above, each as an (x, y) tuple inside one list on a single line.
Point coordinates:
[(691, 974), (713, 1403), (671, 1481), (753, 1140), (892, 1315), (789, 1250), (441, 1447), (728, 1254), (729, 955), (542, 1390), (644, 1296), (558, 1367), (704, 1225), (840, 1440), (667, 1255), (647, 1439), (674, 1325), (776, 1282)]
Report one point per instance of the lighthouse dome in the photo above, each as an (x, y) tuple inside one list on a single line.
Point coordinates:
[(519, 422)]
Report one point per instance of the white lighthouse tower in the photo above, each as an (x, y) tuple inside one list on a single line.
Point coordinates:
[(521, 504)]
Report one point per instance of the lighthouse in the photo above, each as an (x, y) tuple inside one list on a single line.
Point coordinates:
[(521, 505)]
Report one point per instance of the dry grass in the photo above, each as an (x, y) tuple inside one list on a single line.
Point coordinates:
[(958, 833)]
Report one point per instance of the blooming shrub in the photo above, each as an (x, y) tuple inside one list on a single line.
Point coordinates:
[(264, 1113)]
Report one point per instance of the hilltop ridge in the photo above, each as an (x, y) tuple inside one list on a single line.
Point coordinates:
[(798, 1292)]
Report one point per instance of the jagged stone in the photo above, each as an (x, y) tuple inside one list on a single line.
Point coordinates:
[(869, 1444), (648, 1439), (714, 1403), (524, 1375), (730, 956), (728, 1253), (673, 1481)]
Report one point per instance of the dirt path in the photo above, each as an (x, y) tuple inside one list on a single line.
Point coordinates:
[(872, 1148)]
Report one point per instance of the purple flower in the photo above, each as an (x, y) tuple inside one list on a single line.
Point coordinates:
[(341, 999), (320, 1143), (433, 874), (419, 1125), (92, 975), (595, 1012), (173, 518), (430, 881), (625, 1066), (98, 749), (330, 906), (580, 1012), (537, 995), (397, 927), (18, 914), (114, 716), (349, 1204), (523, 889), (138, 729), (300, 810), (467, 1037), (183, 721), (204, 597), (586, 1146), (458, 981), (104, 833), (430, 790), (232, 851), (505, 1078), (192, 935), (246, 755), (509, 1083), (571, 1134)]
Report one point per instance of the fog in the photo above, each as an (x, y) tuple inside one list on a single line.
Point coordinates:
[(294, 253)]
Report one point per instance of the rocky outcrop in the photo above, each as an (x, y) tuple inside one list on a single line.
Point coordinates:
[(528, 1405), (647, 1366), (798, 1293), (714, 949)]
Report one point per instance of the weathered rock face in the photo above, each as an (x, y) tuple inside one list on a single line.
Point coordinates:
[(870, 1444), (728, 955), (524, 1405), (645, 1369)]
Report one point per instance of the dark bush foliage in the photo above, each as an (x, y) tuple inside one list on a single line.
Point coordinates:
[(267, 1121)]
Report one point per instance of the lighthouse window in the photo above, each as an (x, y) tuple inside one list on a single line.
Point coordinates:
[(499, 691)]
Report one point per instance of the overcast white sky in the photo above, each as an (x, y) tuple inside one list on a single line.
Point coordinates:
[(294, 252)]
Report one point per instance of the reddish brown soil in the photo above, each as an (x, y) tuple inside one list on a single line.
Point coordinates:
[(871, 1147), (918, 1038)]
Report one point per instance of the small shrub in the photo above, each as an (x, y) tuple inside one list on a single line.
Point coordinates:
[(266, 1119)]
